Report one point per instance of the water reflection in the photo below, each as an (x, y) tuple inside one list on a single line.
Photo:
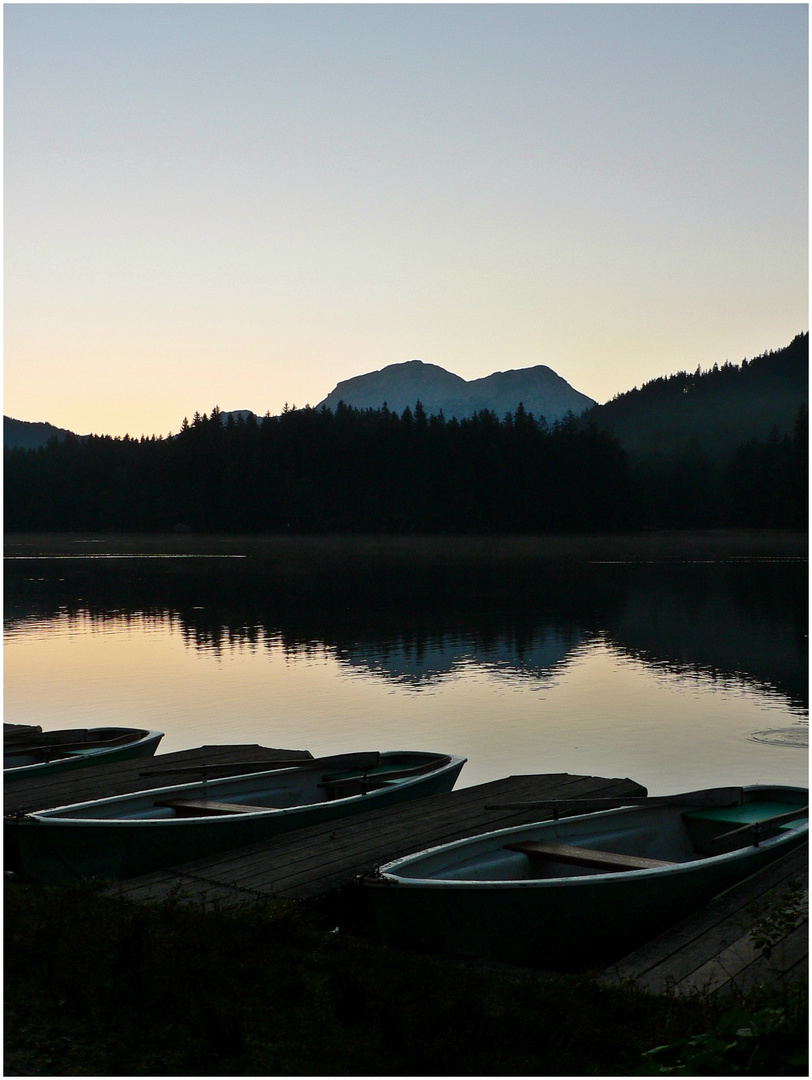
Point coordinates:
[(674, 673), (418, 661), (738, 619)]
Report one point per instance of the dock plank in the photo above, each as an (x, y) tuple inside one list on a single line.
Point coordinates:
[(312, 862), (711, 952)]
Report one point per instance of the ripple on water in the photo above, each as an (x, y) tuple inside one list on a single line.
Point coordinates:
[(793, 736)]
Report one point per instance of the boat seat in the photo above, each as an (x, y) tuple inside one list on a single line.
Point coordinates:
[(359, 783), (744, 814), (354, 785), (719, 824), (207, 807), (578, 856), (343, 789)]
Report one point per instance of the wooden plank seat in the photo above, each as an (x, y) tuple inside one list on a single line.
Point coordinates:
[(578, 856), (207, 807), (745, 813), (352, 785), (740, 825), (95, 744)]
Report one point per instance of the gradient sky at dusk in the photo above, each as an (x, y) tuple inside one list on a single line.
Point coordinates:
[(242, 205)]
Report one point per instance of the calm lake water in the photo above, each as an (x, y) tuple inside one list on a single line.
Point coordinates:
[(680, 662)]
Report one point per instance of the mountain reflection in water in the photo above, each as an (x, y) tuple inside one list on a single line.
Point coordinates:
[(423, 662)]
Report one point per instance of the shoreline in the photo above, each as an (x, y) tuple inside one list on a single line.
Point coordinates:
[(444, 549)]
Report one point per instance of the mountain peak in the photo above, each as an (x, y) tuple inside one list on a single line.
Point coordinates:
[(539, 389)]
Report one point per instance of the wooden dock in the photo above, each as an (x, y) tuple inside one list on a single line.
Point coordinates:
[(713, 953), (313, 862)]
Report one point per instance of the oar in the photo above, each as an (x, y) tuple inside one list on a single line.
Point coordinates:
[(706, 797), (755, 827)]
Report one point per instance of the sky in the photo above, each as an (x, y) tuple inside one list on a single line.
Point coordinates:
[(242, 205)]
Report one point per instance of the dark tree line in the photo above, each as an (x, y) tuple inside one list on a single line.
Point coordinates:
[(763, 483), (767, 482), (373, 471), (314, 470)]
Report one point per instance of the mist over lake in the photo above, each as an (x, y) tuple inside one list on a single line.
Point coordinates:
[(679, 660)]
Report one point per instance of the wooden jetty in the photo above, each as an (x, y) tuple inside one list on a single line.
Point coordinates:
[(14, 731), (139, 774), (313, 862), (713, 953)]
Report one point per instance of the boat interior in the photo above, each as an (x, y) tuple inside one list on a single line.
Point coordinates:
[(644, 838), (37, 747), (305, 784)]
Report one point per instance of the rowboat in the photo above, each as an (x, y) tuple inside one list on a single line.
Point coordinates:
[(585, 890), (127, 835), (30, 751)]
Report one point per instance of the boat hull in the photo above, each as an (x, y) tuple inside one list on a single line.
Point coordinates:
[(22, 755), (560, 923), (59, 849)]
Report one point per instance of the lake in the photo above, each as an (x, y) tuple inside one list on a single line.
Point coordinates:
[(677, 660)]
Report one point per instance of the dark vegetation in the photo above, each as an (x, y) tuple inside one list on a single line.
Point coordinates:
[(715, 411), (315, 471), (30, 436), (97, 987), (725, 448)]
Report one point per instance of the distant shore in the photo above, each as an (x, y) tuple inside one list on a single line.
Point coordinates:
[(308, 550)]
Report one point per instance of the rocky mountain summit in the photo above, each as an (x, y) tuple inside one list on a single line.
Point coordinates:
[(538, 389)]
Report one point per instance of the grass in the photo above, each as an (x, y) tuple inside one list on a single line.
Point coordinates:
[(95, 986)]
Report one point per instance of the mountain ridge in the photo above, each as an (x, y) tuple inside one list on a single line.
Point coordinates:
[(539, 389), (30, 435), (713, 409)]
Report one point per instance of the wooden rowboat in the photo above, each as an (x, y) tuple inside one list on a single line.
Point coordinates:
[(588, 889), (30, 751), (128, 835)]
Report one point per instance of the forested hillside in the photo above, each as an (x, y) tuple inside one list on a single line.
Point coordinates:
[(714, 411), (29, 436), (312, 470), (725, 446), (373, 471)]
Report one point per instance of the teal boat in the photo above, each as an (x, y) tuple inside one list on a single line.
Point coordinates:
[(30, 751), (127, 835), (584, 891)]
